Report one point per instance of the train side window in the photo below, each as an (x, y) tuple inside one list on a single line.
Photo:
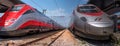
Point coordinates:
[(29, 11), (83, 19)]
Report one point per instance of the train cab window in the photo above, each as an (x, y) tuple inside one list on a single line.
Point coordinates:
[(16, 8), (87, 9), (29, 11)]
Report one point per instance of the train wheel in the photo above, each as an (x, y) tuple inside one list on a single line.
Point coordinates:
[(74, 32), (33, 31), (71, 29)]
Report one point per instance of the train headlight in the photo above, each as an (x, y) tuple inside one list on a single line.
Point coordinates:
[(9, 22), (83, 19)]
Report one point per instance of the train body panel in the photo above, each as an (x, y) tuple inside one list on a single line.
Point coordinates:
[(92, 21), (24, 17)]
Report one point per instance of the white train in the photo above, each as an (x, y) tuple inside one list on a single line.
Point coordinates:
[(91, 22)]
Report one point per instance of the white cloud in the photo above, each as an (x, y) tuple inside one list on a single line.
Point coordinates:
[(57, 12), (60, 16)]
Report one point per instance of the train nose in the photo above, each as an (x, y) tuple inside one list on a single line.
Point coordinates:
[(99, 29)]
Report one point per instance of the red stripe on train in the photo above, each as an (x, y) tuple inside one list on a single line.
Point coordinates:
[(94, 14), (35, 23)]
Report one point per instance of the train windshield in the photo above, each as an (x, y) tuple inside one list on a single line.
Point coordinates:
[(16, 8), (88, 9)]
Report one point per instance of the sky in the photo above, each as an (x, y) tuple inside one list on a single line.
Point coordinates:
[(56, 9)]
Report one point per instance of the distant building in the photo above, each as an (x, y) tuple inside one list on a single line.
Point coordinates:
[(109, 6), (101, 3)]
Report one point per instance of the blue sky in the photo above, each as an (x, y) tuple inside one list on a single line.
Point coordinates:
[(57, 8)]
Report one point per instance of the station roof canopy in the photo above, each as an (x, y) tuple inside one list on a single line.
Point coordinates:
[(5, 4), (9, 3)]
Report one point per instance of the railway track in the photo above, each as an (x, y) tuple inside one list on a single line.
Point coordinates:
[(91, 42), (54, 38), (47, 37), (42, 39)]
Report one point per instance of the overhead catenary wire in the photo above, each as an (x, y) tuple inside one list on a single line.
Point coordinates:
[(37, 4), (56, 3), (43, 9)]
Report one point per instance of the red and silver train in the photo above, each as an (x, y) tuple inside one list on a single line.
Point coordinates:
[(21, 19), (90, 22)]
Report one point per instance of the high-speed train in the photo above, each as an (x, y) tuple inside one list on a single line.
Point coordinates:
[(91, 22), (22, 18)]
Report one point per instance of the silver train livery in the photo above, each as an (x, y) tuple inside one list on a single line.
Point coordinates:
[(91, 22)]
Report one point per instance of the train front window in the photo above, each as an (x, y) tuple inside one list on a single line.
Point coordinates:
[(16, 8), (88, 9)]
